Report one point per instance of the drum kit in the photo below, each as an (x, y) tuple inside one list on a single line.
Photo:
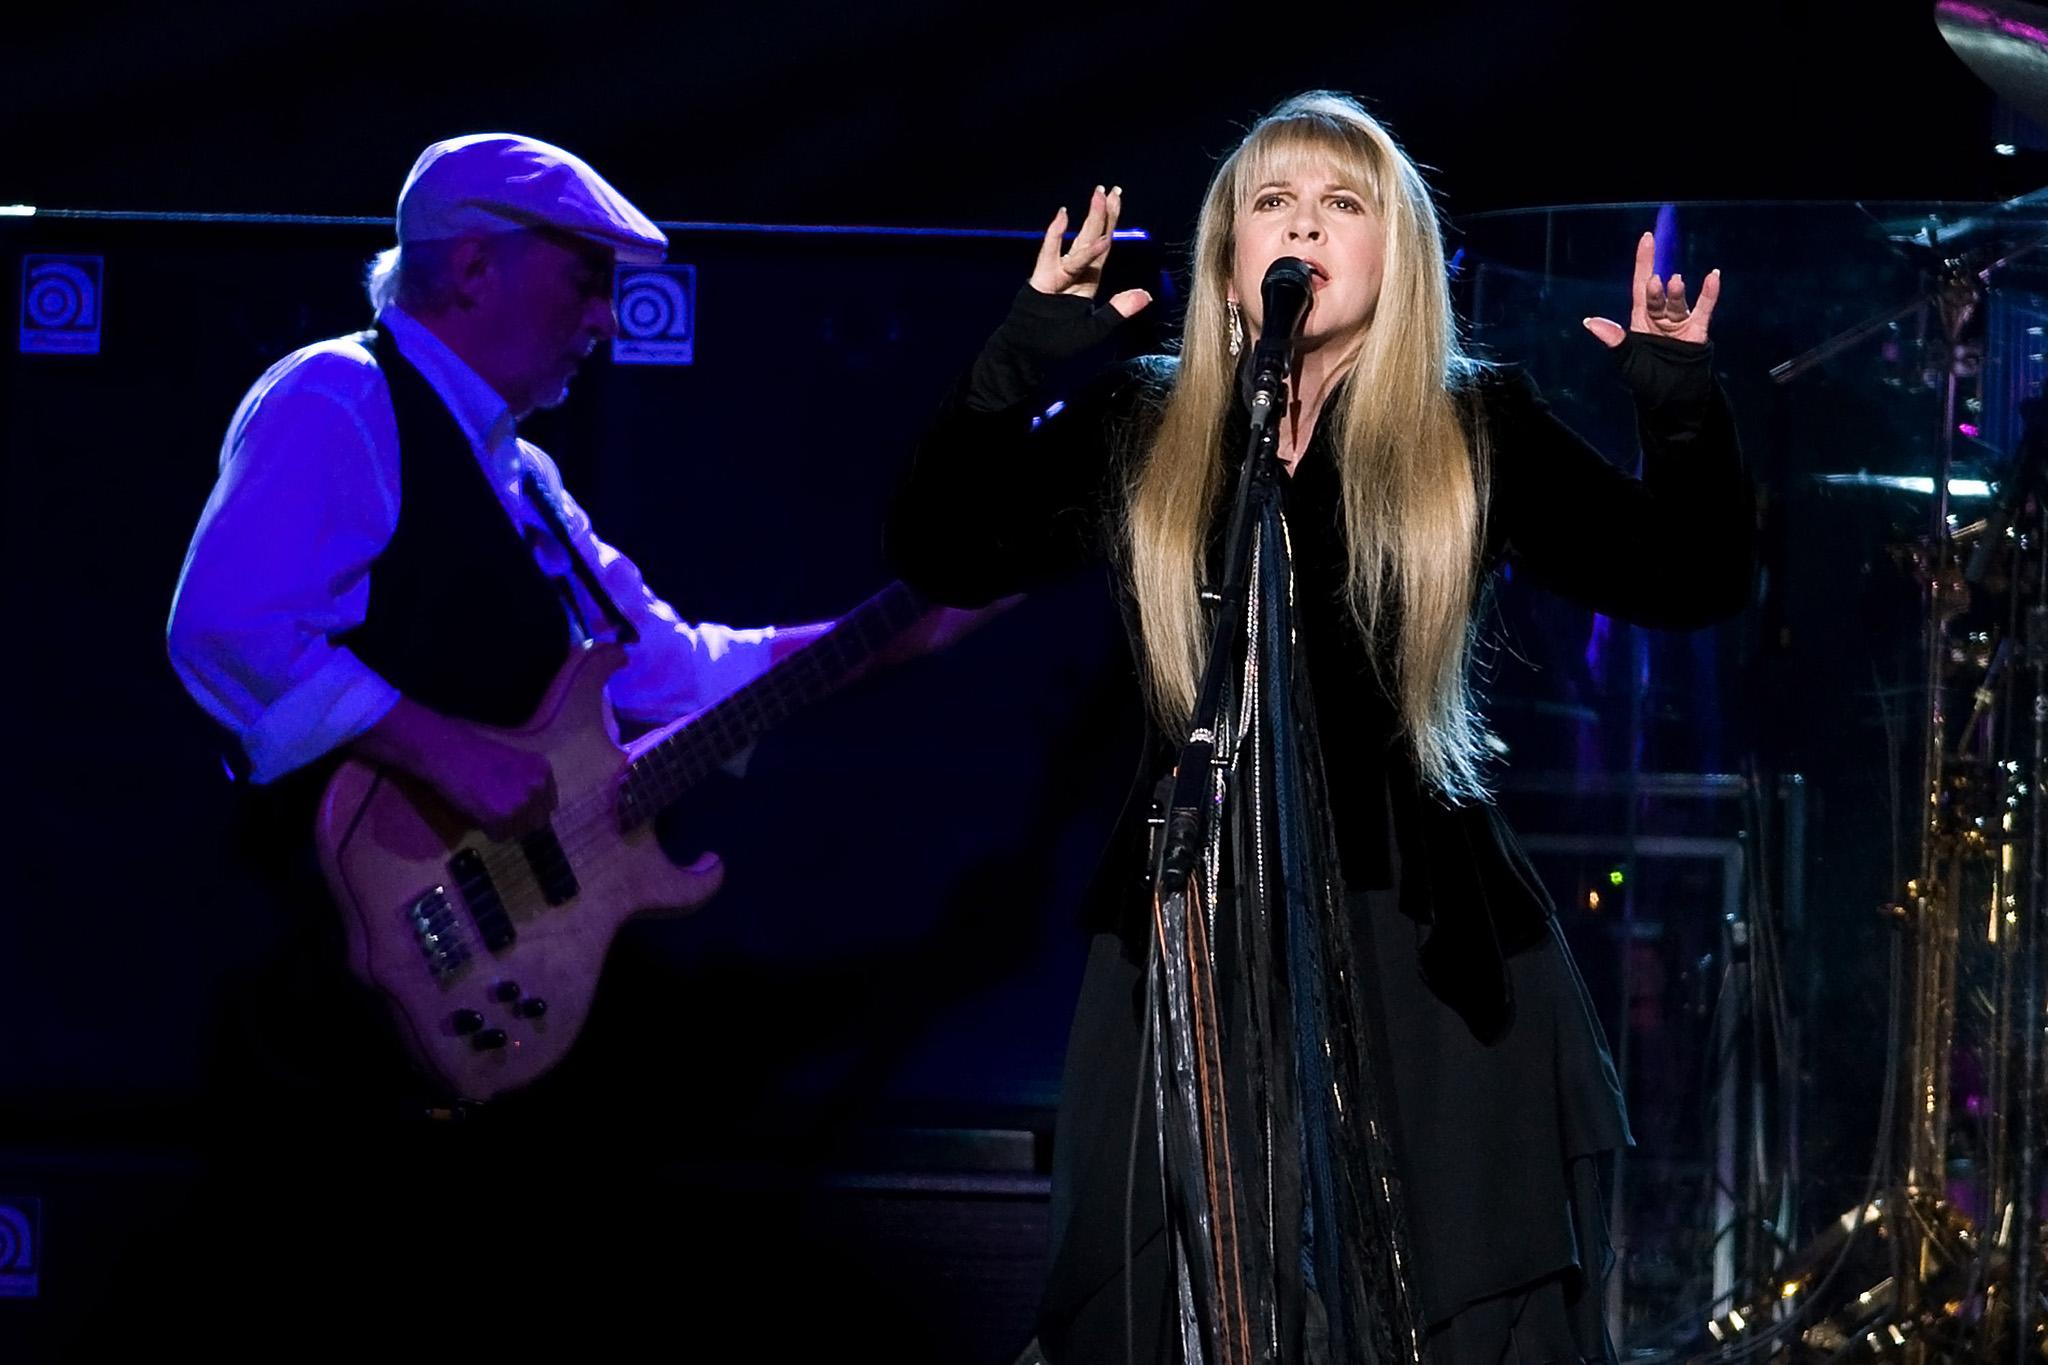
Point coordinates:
[(1942, 1259)]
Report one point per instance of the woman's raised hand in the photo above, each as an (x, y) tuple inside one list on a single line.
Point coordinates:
[(1659, 307), (1078, 269)]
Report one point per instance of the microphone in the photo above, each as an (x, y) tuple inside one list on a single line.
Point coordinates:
[(1284, 298)]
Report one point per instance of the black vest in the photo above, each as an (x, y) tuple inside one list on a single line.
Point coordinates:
[(461, 619)]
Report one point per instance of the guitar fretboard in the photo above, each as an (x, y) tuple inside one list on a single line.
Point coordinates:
[(676, 764)]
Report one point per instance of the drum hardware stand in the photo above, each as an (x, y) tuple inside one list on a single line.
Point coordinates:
[(1927, 1285)]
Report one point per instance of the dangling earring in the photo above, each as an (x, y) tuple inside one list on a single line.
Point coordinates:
[(1236, 326)]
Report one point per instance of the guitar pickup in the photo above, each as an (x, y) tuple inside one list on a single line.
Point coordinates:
[(550, 866), (480, 893), (433, 923)]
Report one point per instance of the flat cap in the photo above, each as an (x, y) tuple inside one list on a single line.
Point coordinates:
[(496, 182)]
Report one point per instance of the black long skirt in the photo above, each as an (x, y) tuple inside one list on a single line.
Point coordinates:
[(1499, 1144)]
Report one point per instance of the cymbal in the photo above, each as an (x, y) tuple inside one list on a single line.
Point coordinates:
[(1923, 485), (2005, 42)]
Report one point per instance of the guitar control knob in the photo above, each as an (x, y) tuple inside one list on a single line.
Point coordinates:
[(532, 1007), (505, 992), (467, 1021), (490, 1040)]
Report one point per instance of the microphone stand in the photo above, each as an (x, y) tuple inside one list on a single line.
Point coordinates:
[(1191, 813), (1220, 1321)]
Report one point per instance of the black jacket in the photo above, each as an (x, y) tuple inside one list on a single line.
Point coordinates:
[(1001, 498)]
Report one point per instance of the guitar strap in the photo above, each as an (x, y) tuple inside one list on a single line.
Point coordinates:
[(544, 502)]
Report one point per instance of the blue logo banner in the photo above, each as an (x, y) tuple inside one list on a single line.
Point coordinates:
[(657, 308), (21, 1246), (61, 304)]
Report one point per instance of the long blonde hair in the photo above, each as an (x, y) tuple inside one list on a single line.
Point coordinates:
[(1410, 478)]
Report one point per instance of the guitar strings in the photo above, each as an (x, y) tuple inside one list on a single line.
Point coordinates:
[(586, 824)]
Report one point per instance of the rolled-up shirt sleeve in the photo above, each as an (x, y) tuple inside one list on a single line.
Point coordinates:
[(279, 566)]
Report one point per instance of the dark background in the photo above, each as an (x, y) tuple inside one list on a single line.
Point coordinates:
[(962, 114), (895, 952)]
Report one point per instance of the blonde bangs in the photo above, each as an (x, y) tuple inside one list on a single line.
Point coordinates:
[(1281, 148)]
